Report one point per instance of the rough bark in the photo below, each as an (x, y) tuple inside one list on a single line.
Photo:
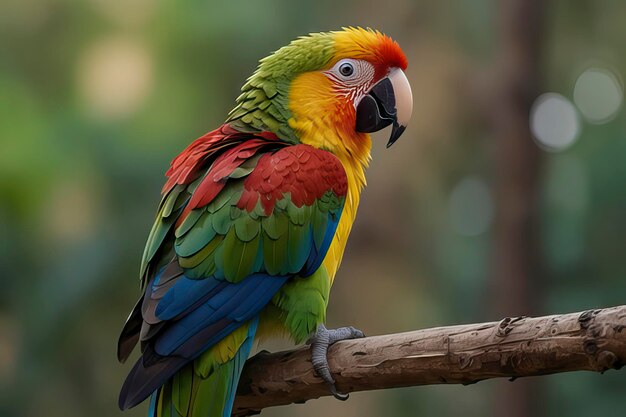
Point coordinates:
[(593, 340)]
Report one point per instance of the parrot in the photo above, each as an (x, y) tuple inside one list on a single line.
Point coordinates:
[(254, 219)]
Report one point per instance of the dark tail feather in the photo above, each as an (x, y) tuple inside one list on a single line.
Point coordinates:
[(130, 333), (143, 381), (188, 393)]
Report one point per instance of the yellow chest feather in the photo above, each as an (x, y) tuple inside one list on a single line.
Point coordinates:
[(320, 121)]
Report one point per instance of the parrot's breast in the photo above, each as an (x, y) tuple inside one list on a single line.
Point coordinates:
[(325, 121), (272, 323), (355, 171)]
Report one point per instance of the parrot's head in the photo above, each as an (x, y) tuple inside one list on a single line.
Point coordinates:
[(330, 90)]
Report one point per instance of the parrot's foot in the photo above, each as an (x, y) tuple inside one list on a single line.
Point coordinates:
[(320, 342)]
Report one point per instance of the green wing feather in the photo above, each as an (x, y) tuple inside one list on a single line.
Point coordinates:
[(206, 386), (278, 243)]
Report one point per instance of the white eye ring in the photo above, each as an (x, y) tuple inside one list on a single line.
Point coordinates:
[(354, 74)]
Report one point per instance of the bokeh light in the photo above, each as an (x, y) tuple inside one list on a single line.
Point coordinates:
[(114, 77), (554, 122), (470, 207), (598, 94)]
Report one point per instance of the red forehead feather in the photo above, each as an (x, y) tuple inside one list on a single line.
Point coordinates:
[(373, 46), (389, 53)]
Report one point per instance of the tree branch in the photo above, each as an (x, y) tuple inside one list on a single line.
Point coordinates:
[(593, 340)]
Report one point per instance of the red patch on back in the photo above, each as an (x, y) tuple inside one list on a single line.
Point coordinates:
[(226, 148), (301, 170), (186, 167), (223, 166)]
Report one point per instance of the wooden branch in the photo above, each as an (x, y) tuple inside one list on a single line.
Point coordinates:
[(593, 340)]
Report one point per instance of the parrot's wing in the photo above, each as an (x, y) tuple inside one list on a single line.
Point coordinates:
[(223, 245)]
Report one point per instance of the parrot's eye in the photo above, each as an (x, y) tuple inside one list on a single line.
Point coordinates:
[(346, 69), (352, 73)]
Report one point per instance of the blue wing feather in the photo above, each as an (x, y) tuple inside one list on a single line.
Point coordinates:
[(234, 302), (185, 294), (316, 256)]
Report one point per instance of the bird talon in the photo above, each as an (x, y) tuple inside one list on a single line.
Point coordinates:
[(320, 342), (356, 333), (337, 394)]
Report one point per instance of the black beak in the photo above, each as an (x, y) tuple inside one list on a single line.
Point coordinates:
[(378, 109)]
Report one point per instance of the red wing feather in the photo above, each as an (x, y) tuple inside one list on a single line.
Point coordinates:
[(302, 171), (187, 166)]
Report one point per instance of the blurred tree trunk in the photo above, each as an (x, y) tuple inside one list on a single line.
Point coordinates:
[(513, 283)]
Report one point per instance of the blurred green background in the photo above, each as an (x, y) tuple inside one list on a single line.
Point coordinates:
[(96, 97)]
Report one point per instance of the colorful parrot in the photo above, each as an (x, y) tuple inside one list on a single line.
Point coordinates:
[(254, 220)]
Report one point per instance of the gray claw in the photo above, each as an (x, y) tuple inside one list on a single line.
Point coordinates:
[(320, 342)]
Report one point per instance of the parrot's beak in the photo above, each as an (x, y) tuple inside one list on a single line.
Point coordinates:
[(389, 101)]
